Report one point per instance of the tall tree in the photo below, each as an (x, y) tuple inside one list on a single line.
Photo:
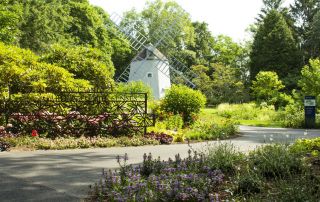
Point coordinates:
[(10, 17), (304, 12), (275, 49), (160, 18), (313, 41), (204, 42)]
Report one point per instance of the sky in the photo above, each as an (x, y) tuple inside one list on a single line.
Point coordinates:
[(228, 17)]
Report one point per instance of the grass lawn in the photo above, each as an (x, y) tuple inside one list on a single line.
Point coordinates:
[(243, 114)]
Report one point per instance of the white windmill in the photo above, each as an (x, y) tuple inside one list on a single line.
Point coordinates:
[(150, 65)]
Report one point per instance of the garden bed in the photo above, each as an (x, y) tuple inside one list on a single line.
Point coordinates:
[(280, 172)]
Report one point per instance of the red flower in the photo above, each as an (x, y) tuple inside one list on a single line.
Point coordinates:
[(34, 133)]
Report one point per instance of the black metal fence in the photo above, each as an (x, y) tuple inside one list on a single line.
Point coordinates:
[(77, 113)]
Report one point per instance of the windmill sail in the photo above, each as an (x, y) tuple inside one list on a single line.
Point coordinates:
[(179, 73)]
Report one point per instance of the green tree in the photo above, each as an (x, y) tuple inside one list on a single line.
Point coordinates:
[(275, 49), (85, 63), (304, 13), (266, 87), (203, 82), (203, 44), (159, 17), (310, 78), (313, 41), (226, 85), (21, 71), (10, 17)]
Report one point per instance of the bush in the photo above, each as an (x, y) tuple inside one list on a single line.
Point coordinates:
[(224, 157), (266, 87), (174, 122), (292, 117), (212, 130), (247, 111), (275, 161), (248, 183), (304, 146), (183, 100), (135, 87)]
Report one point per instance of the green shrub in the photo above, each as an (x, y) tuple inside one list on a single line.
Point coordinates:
[(266, 87), (174, 122), (247, 111), (304, 146), (183, 100), (292, 117), (275, 161), (224, 157), (135, 87), (248, 183), (202, 130)]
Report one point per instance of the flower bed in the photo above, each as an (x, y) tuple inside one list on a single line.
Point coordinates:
[(221, 173), (176, 180)]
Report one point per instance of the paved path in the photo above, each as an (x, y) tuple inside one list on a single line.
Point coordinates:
[(66, 175)]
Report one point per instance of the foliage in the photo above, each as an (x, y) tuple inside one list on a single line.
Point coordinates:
[(313, 41), (176, 180), (224, 157), (158, 16), (307, 146), (275, 161), (292, 117), (41, 143), (67, 22), (203, 43), (134, 87), (183, 100), (211, 130), (20, 71), (275, 49), (304, 13), (220, 173), (10, 16), (246, 111), (267, 87), (310, 79), (174, 122), (226, 85), (84, 62), (73, 123), (161, 137)]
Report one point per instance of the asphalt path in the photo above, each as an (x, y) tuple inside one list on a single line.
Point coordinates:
[(66, 175)]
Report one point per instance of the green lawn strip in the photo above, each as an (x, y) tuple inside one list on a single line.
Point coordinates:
[(259, 123)]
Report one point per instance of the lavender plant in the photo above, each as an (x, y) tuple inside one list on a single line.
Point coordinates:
[(177, 179)]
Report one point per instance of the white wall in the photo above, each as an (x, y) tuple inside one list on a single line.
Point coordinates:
[(158, 82)]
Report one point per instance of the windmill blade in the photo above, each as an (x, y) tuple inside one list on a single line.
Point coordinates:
[(178, 71), (136, 39)]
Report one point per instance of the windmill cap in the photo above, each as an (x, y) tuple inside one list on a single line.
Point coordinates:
[(150, 53)]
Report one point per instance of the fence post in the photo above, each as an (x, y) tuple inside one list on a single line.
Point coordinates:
[(145, 112)]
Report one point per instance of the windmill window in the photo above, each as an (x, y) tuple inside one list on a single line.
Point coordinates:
[(149, 75)]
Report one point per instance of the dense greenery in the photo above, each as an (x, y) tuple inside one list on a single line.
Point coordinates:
[(184, 101), (220, 173)]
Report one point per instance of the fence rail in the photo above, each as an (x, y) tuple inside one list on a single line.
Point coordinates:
[(77, 113)]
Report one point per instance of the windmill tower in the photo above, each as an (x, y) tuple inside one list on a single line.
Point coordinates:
[(146, 68), (150, 65)]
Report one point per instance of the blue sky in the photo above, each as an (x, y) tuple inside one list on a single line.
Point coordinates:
[(229, 17)]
